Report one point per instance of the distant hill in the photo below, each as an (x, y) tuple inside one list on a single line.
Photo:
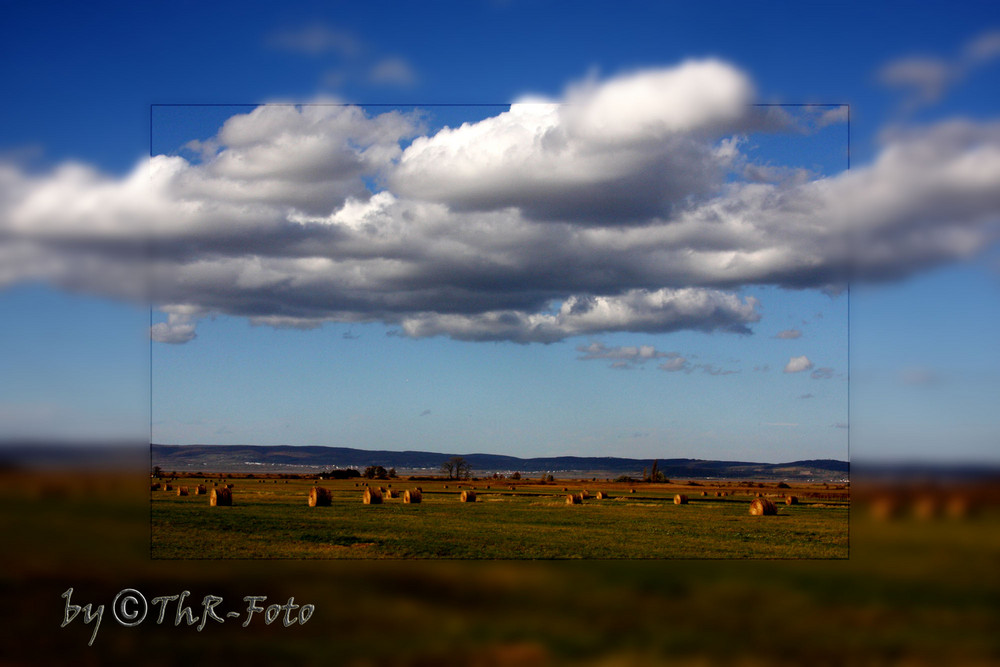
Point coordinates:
[(253, 458)]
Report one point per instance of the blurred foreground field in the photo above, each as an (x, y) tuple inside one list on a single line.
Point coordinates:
[(270, 518), (914, 592)]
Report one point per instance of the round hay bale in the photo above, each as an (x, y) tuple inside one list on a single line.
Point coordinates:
[(704, 493), (791, 500), (927, 507), (182, 490), (680, 499), (168, 487), (513, 488), (565, 488), (468, 497), (885, 508), (718, 494), (412, 496), (200, 490), (762, 507), (601, 495), (574, 499), (319, 497), (961, 506), (154, 487), (372, 496), (632, 491), (584, 495), (389, 493), (220, 497)]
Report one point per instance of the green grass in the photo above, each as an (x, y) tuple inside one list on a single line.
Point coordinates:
[(273, 521)]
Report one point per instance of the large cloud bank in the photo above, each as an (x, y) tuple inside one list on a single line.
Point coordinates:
[(611, 209)]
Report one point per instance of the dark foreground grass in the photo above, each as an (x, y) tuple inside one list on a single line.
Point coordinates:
[(273, 521), (914, 593)]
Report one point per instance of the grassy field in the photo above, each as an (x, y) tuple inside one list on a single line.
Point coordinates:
[(271, 519), (915, 592)]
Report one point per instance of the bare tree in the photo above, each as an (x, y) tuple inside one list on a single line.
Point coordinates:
[(456, 468)]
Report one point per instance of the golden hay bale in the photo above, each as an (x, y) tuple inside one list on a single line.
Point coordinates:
[(182, 490), (927, 507), (220, 497), (513, 488), (791, 500), (319, 497), (200, 490), (389, 493), (412, 496), (961, 506), (574, 499), (718, 494), (167, 487), (372, 496), (885, 508), (680, 499), (762, 507), (584, 495), (601, 495), (704, 493), (632, 491), (468, 497)]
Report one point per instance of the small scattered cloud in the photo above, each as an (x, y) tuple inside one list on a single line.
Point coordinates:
[(798, 364), (641, 353), (983, 48), (393, 71), (833, 116), (425, 413), (925, 79), (679, 363), (711, 369), (315, 40), (824, 373), (807, 396), (178, 329), (789, 334)]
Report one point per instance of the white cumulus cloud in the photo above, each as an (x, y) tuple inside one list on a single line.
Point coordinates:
[(798, 364)]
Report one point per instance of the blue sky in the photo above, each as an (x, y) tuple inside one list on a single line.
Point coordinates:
[(926, 370)]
